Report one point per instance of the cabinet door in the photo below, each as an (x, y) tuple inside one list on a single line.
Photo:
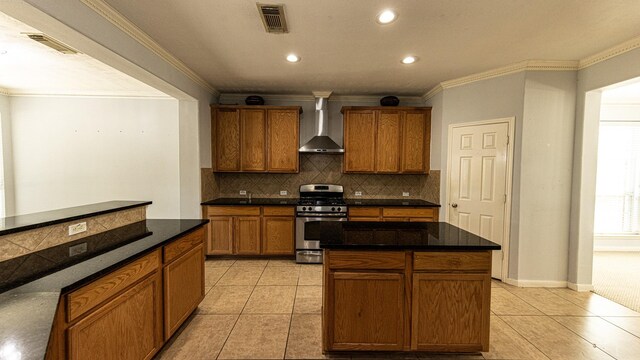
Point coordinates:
[(129, 327), (366, 311), (277, 235), (183, 288), (226, 135), (450, 312), (388, 142), (283, 140), (247, 235), (220, 235), (359, 141), (416, 140), (253, 140)]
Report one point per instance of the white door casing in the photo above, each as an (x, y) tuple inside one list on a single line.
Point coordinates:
[(479, 183)]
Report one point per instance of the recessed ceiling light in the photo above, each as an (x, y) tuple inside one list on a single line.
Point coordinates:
[(409, 60), (2, 52), (293, 58), (387, 17)]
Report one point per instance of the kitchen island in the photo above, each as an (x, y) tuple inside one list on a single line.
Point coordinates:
[(403, 286)]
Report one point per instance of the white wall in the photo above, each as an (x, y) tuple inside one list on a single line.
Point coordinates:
[(77, 25), (590, 81), (70, 151), (7, 157), (543, 105)]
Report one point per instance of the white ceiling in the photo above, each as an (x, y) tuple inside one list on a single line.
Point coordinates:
[(343, 48), (28, 67)]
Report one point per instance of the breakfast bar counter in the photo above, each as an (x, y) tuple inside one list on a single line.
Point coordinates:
[(404, 286)]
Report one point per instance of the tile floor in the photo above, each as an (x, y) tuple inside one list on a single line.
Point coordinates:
[(270, 309)]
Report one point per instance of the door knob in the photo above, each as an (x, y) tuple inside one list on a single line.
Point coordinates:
[(454, 205)]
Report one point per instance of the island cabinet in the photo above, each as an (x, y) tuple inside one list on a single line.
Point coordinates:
[(132, 310), (386, 140), (250, 230), (406, 300), (255, 138), (400, 213)]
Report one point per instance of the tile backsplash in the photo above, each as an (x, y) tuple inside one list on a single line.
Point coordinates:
[(315, 168)]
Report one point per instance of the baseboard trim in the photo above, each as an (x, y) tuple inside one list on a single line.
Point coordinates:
[(536, 283), (580, 287)]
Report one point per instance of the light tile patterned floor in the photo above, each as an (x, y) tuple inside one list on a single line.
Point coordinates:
[(270, 309)]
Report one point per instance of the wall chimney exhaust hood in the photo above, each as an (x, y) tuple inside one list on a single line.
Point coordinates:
[(321, 143)]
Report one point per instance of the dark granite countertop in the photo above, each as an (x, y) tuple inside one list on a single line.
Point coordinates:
[(353, 235), (253, 201), (19, 223), (36, 280), (390, 202)]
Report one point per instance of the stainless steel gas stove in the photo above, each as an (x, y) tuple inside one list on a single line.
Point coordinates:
[(318, 202)]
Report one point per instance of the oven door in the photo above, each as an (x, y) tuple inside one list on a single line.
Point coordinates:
[(308, 251)]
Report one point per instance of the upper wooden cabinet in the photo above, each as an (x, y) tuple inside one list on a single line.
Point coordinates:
[(255, 138), (387, 140)]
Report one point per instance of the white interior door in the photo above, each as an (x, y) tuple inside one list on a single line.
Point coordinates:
[(478, 182)]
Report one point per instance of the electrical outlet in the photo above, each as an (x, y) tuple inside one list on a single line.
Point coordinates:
[(284, 193), (358, 193), (405, 193), (243, 192), (77, 228), (77, 249)]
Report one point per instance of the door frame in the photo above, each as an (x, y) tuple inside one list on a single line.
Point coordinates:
[(510, 121)]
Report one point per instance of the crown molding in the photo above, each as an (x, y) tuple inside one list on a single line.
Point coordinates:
[(4, 92), (228, 97), (121, 22), (80, 94), (527, 65), (609, 53)]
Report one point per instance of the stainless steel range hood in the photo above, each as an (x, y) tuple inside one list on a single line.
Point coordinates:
[(321, 142)]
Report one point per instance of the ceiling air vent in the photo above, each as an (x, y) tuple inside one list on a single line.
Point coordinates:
[(52, 43), (273, 18)]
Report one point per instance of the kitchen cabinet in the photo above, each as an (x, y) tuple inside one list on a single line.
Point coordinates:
[(359, 141), (129, 312), (278, 231), (420, 214), (129, 327), (386, 140), (183, 280), (250, 230), (406, 300), (367, 310), (255, 138), (283, 139)]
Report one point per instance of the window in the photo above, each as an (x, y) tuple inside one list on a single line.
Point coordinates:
[(618, 180)]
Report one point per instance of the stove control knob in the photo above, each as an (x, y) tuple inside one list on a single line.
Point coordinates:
[(304, 208), (339, 209), (333, 209)]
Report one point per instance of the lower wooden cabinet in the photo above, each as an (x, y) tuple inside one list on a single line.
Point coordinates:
[(128, 313), (450, 312), (278, 235), (183, 288), (248, 230), (247, 235), (129, 327), (435, 301), (366, 311), (402, 214)]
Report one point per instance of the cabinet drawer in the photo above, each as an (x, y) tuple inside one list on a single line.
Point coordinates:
[(182, 245), (233, 210), (381, 260), (408, 213), (278, 211), (375, 219), (364, 211), (91, 295), (471, 261)]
